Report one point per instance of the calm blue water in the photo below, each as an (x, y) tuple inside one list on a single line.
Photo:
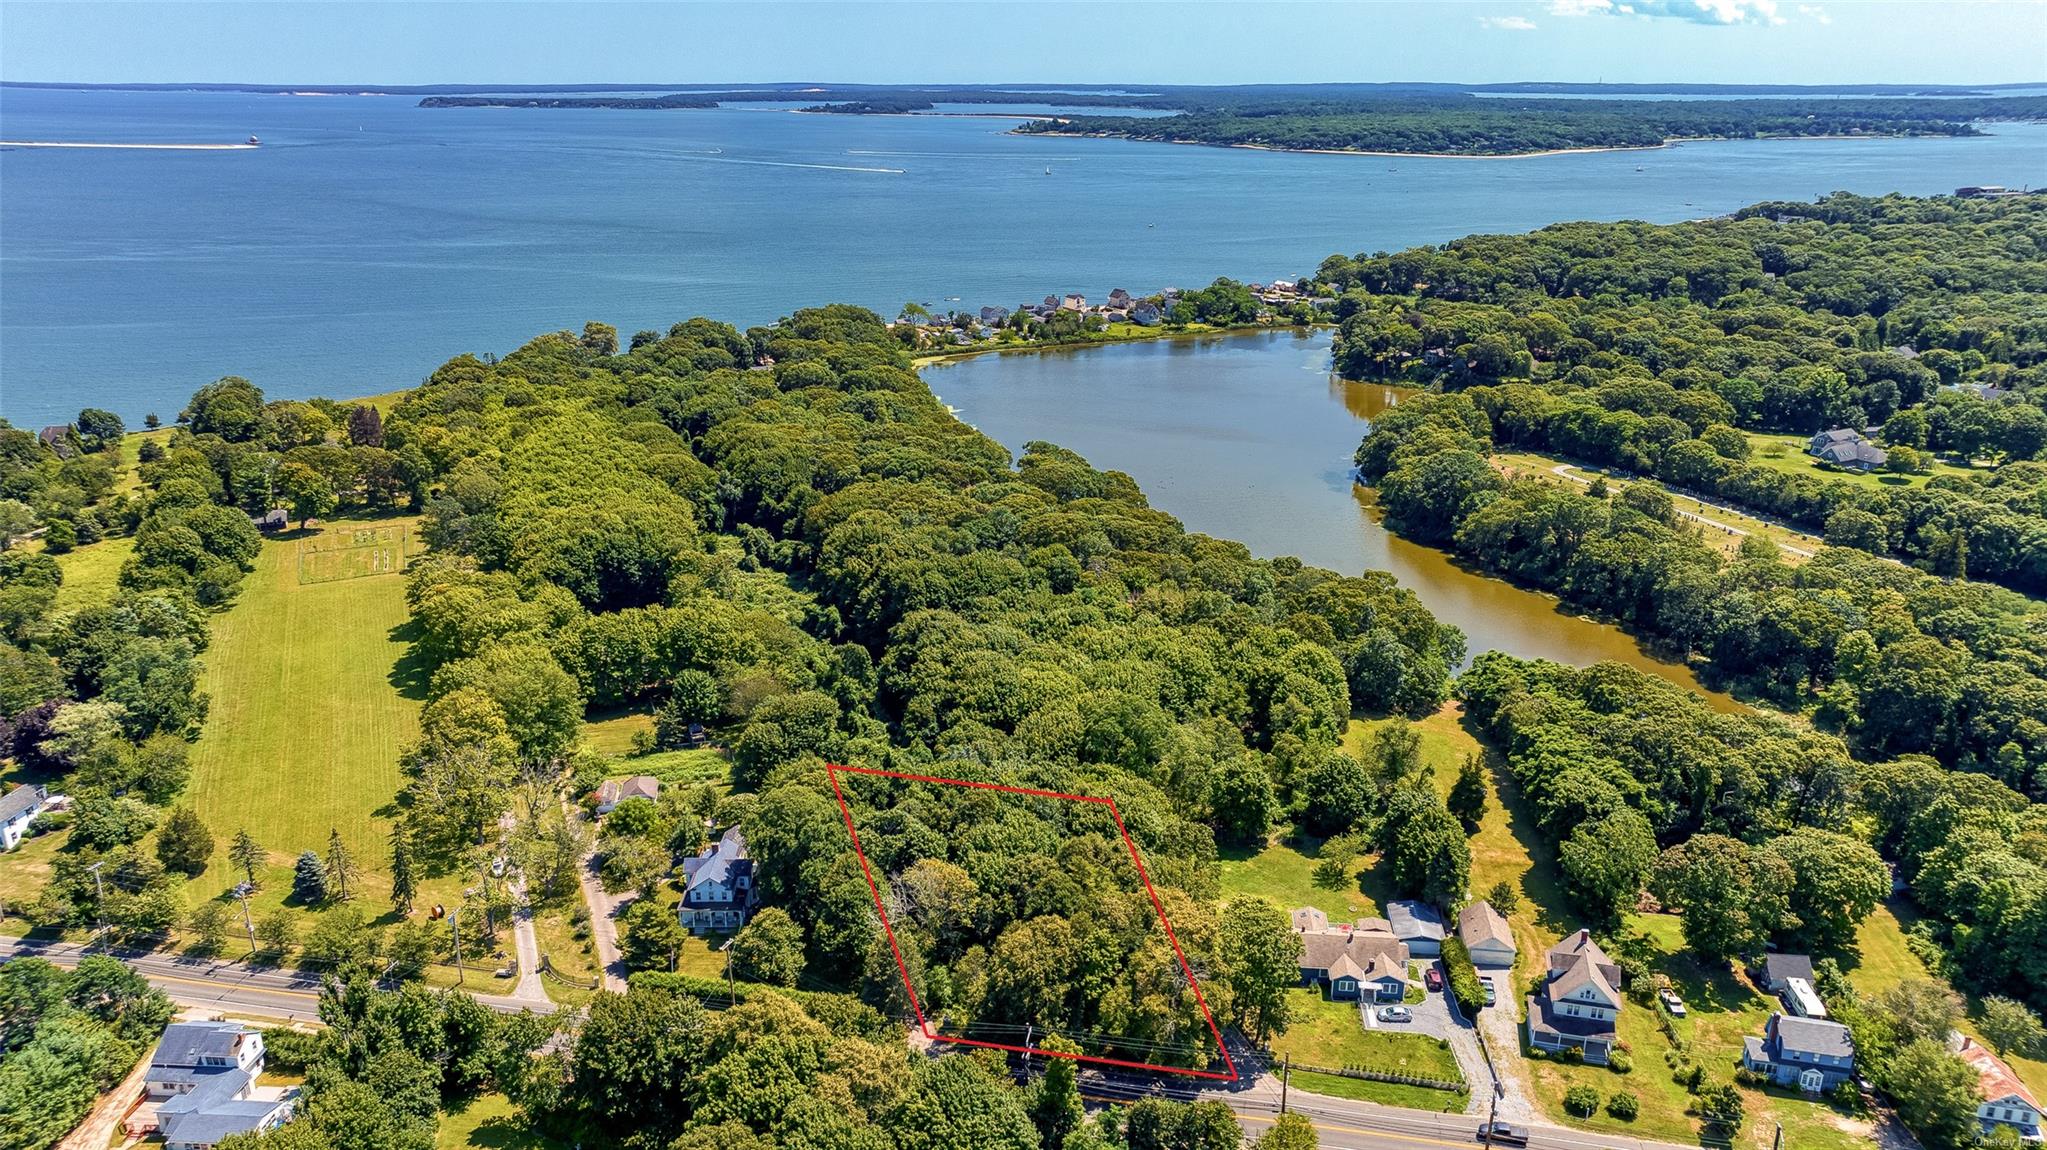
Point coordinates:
[(368, 240)]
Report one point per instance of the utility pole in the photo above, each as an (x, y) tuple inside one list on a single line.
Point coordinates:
[(731, 995), (248, 924), (1027, 1053), (461, 975), (1286, 1077), (99, 908), (1777, 1142), (1492, 1121)]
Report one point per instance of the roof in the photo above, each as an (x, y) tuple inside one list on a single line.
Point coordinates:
[(1838, 435), (1857, 451), (1385, 965), (1320, 950), (641, 787), (1308, 918), (1810, 1036), (1346, 967), (184, 1043), (1412, 918), (1479, 923), (1578, 972), (20, 799), (1778, 967), (216, 1122), (719, 862), (1994, 1079), (1579, 945), (1542, 1016)]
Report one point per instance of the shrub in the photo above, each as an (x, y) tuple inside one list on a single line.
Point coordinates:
[(1620, 1061), (1582, 1101), (1463, 981), (1624, 1106)]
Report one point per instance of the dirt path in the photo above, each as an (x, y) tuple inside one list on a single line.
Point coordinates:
[(604, 912)]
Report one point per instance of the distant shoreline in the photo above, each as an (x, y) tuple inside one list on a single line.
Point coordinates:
[(1670, 143), (147, 147)]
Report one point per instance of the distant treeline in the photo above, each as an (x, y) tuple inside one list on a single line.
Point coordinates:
[(1467, 125), (672, 100)]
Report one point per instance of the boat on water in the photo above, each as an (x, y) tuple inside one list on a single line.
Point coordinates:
[(253, 141)]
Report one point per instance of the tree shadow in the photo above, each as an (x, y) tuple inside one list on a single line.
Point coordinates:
[(1542, 886), (410, 673)]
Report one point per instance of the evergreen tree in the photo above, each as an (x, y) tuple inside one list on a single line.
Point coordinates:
[(403, 887), (341, 868), (1055, 1104), (309, 880), (184, 845), (1467, 795), (246, 855)]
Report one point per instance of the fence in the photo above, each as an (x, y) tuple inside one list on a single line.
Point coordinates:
[(1369, 1074), (547, 970)]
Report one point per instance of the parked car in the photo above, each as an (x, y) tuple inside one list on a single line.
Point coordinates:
[(1671, 1002), (1395, 1014), (1503, 1134), (1492, 993), (1434, 978)]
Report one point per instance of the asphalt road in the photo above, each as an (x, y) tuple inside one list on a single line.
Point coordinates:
[(226, 987), (1342, 1124)]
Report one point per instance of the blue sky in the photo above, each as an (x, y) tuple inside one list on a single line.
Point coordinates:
[(1734, 41)]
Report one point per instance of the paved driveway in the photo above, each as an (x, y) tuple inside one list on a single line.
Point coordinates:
[(1436, 1017)]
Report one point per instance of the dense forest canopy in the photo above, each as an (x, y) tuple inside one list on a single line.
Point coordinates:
[(1648, 347), (1506, 125)]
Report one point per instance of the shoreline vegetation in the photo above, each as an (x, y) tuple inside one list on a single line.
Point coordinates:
[(1672, 142), (1424, 122)]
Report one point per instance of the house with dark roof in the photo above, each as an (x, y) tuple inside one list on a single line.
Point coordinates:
[(1844, 447), (1579, 1003), (1774, 972), (2005, 1099), (274, 520), (201, 1086), (57, 437), (17, 808), (1354, 960), (1417, 924), (718, 889), (1486, 935), (1812, 1054)]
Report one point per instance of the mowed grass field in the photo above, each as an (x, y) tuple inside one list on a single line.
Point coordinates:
[(307, 722)]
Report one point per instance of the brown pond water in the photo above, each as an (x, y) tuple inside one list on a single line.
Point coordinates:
[(1249, 437)]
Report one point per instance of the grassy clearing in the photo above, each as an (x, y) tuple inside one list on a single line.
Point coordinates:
[(23, 871), (1715, 531), (1786, 453), (613, 732), (1325, 1033), (488, 1121), (311, 706), (91, 571), (1284, 875)]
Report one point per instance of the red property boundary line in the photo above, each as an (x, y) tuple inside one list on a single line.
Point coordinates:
[(832, 771)]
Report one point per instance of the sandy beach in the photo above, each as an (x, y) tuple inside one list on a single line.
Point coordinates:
[(148, 147)]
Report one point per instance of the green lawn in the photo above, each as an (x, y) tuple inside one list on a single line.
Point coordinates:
[(1325, 1033), (612, 731), (489, 1120), (90, 572), (1786, 453), (310, 706), (1285, 876)]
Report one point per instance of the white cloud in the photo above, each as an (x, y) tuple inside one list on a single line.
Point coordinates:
[(1695, 11), (1815, 12), (1508, 23)]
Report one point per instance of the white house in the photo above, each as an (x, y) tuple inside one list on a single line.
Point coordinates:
[(718, 890), (1580, 1002), (201, 1087), (2006, 1101), (17, 807), (1486, 935)]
